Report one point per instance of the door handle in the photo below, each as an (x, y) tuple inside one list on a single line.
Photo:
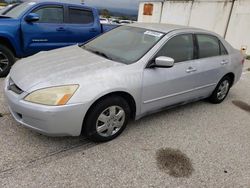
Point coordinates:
[(191, 69), (61, 29), (224, 62)]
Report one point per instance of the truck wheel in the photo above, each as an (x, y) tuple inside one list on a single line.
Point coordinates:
[(7, 59), (107, 119)]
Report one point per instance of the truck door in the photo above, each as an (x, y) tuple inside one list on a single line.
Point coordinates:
[(46, 34), (82, 24)]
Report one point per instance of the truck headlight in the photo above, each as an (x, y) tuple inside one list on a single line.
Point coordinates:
[(54, 96)]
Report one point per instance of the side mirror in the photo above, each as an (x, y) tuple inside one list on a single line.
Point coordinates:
[(163, 62), (32, 17)]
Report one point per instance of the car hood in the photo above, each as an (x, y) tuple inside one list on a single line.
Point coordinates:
[(9, 27), (58, 67), (5, 19)]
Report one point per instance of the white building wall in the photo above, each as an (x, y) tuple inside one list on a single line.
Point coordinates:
[(212, 15), (176, 12), (238, 33), (155, 18)]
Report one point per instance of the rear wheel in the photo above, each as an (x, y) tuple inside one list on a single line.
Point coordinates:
[(7, 59), (107, 119), (221, 91)]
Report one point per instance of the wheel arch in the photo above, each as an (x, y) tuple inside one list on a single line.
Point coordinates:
[(232, 77), (125, 95), (6, 42)]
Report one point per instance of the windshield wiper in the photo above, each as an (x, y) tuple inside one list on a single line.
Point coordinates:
[(97, 52), (102, 54)]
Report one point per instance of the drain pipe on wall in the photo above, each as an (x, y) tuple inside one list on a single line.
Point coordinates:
[(162, 4), (229, 18)]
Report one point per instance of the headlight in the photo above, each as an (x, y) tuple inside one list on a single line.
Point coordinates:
[(54, 96)]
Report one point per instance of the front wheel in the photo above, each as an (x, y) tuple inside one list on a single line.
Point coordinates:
[(107, 119), (7, 59), (221, 90)]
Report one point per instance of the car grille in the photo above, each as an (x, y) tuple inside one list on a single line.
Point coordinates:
[(13, 87)]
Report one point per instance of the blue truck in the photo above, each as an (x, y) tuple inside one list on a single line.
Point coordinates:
[(36, 26)]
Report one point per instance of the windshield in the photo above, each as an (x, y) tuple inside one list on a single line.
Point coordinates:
[(124, 44), (2, 11), (18, 10)]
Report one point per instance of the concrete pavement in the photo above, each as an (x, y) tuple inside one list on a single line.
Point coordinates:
[(209, 142)]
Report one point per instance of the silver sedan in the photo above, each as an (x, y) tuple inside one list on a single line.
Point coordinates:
[(124, 74)]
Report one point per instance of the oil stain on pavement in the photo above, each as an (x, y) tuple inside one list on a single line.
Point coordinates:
[(242, 105), (174, 162)]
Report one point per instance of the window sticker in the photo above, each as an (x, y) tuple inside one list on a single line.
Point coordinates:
[(153, 33), (32, 3)]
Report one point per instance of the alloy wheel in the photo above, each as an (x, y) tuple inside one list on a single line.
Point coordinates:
[(4, 62), (110, 121), (223, 89)]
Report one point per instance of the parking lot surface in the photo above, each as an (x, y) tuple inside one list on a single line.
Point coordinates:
[(196, 145)]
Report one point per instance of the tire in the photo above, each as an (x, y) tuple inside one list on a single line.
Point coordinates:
[(7, 59), (110, 115), (220, 92)]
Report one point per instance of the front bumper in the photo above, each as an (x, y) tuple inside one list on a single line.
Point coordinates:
[(64, 120)]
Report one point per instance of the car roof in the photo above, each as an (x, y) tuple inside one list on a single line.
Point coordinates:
[(164, 28), (67, 2)]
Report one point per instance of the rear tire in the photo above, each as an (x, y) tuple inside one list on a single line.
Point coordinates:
[(106, 119), (221, 91), (7, 59)]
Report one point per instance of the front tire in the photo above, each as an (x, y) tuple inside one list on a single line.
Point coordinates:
[(7, 59), (221, 91), (107, 119)]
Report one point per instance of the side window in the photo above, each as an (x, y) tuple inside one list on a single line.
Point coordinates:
[(80, 16), (52, 14), (180, 48), (223, 50), (208, 46)]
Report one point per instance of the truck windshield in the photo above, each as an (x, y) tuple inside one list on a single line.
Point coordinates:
[(18, 10), (125, 44), (2, 11)]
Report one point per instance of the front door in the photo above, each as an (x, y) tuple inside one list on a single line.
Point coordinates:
[(47, 33), (169, 86)]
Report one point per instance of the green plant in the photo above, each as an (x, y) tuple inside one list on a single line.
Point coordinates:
[(105, 13)]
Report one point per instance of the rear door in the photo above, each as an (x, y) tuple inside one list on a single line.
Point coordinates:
[(212, 61), (82, 24), (47, 33)]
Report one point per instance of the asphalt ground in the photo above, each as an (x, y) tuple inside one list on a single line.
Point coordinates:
[(196, 145)]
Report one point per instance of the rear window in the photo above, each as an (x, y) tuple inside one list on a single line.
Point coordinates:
[(209, 46), (223, 50), (80, 16)]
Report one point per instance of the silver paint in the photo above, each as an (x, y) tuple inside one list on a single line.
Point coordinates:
[(151, 88)]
